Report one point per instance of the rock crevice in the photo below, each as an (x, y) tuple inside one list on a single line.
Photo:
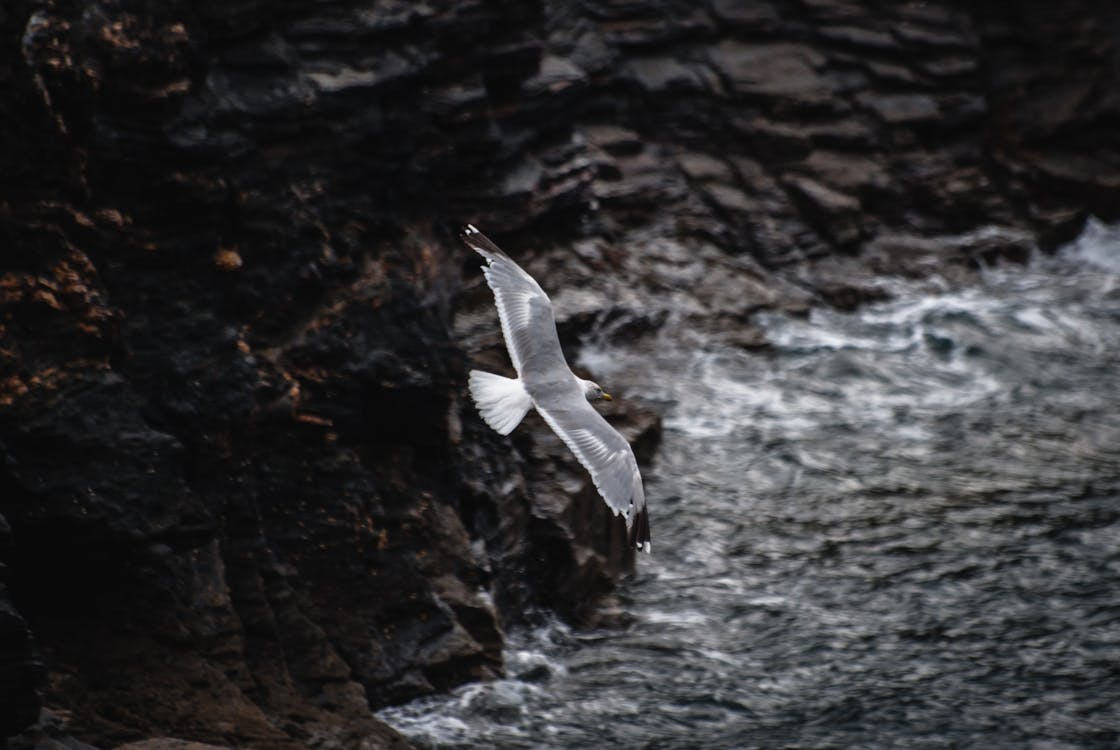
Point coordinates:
[(244, 496)]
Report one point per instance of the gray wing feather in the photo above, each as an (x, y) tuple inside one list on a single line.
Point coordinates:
[(602, 451), (529, 329), (524, 311)]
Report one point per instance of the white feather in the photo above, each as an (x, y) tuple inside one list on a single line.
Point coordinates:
[(546, 382), (502, 401)]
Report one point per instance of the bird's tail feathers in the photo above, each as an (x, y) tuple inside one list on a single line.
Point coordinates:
[(502, 402)]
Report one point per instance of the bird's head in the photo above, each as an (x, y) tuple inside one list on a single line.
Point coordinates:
[(593, 392)]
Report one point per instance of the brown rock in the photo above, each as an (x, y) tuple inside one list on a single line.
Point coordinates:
[(657, 74), (704, 167), (837, 212), (783, 71), (169, 743), (848, 172), (755, 16), (777, 141), (897, 109), (858, 37), (258, 484), (934, 37)]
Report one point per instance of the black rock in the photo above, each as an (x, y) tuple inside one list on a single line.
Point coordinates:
[(238, 455)]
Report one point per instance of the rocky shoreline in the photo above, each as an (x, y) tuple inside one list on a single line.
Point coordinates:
[(244, 497)]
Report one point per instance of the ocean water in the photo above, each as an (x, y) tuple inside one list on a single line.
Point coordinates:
[(900, 528)]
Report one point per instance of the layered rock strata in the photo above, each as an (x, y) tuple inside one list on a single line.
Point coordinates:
[(244, 495)]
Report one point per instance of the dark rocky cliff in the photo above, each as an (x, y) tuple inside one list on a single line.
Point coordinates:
[(243, 496)]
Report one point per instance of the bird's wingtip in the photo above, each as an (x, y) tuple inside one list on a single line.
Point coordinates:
[(639, 531)]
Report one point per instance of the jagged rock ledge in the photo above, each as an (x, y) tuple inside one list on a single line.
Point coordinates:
[(244, 496)]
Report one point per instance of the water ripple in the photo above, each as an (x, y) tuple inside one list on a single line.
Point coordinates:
[(900, 530)]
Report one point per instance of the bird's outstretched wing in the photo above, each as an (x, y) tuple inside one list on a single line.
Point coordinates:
[(524, 310), (606, 455), (529, 329)]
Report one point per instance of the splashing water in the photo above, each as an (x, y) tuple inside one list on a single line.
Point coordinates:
[(898, 529)]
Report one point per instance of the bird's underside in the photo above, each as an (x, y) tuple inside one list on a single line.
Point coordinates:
[(546, 383)]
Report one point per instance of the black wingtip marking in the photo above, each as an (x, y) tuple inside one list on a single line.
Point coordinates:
[(480, 242), (639, 531)]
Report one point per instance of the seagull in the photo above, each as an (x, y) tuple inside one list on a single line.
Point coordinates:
[(546, 383)]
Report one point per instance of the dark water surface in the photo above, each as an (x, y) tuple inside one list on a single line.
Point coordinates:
[(901, 529)]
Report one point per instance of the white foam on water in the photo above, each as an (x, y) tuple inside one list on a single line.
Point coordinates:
[(836, 517), (1098, 245)]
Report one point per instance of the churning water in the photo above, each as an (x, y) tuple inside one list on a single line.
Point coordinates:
[(901, 528)]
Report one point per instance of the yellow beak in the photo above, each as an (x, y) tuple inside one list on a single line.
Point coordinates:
[(607, 396)]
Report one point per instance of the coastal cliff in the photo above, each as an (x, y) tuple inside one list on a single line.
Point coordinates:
[(244, 496)]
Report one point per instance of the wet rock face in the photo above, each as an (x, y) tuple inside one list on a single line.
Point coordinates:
[(20, 671), (247, 493)]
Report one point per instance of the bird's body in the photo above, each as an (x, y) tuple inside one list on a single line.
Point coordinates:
[(546, 383)]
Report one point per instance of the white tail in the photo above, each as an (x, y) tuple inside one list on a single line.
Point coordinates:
[(502, 402)]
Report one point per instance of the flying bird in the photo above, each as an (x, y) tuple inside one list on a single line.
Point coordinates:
[(546, 383)]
